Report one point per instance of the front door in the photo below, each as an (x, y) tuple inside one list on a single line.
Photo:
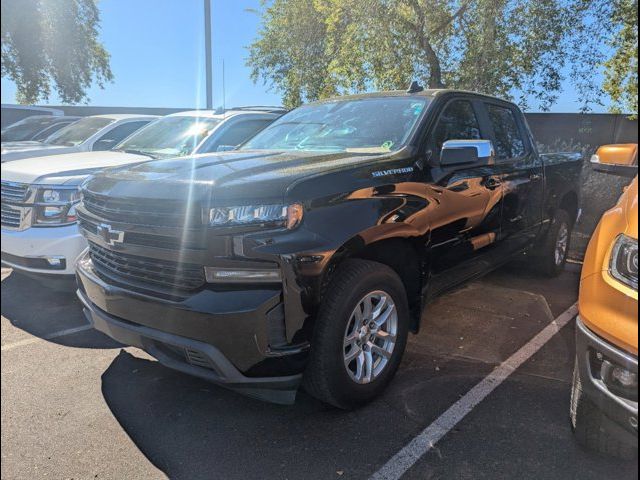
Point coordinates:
[(465, 202)]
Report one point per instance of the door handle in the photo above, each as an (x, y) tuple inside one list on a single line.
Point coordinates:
[(492, 183), (535, 176)]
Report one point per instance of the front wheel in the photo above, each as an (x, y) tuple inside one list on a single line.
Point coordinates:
[(594, 430), (359, 336), (555, 249)]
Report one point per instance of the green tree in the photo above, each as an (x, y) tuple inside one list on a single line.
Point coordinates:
[(310, 49), (53, 45), (621, 74)]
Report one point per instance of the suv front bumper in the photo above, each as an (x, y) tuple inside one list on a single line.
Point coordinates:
[(221, 336), (621, 410), (43, 250)]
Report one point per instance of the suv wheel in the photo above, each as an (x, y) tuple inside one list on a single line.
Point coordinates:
[(360, 335)]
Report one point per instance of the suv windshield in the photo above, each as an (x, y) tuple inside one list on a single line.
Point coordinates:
[(170, 136), (27, 128), (366, 125), (78, 132)]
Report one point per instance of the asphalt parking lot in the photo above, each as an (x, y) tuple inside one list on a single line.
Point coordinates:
[(77, 405)]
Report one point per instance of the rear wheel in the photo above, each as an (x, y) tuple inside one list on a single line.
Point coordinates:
[(360, 335), (594, 429)]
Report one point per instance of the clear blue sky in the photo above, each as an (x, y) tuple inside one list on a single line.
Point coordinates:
[(157, 56)]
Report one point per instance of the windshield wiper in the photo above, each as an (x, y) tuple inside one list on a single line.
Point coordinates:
[(136, 152)]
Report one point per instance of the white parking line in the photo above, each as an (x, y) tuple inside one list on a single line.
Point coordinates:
[(51, 336), (425, 441)]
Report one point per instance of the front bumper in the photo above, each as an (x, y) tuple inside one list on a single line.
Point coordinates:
[(221, 336), (28, 250), (623, 411)]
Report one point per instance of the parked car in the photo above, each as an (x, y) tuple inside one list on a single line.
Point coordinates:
[(35, 128), (604, 400), (94, 133), (313, 247), (38, 192), (11, 114)]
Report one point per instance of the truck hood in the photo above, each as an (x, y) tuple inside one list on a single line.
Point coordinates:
[(39, 169), (237, 176), (18, 152)]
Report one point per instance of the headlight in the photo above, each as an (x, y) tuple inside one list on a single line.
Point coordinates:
[(623, 265), (288, 216), (56, 205)]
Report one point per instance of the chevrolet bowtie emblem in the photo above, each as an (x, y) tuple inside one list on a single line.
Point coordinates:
[(109, 235)]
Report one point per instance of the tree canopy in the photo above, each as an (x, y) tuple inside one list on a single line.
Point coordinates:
[(311, 49), (53, 45)]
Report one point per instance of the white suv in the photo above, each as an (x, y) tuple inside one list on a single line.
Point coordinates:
[(97, 132), (39, 229)]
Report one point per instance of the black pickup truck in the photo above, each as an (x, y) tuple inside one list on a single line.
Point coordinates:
[(306, 255)]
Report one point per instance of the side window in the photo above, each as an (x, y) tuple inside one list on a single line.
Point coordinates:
[(458, 121), (234, 135), (49, 131), (509, 140), (117, 134)]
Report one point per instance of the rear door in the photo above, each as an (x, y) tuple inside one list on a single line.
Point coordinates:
[(466, 207), (521, 173)]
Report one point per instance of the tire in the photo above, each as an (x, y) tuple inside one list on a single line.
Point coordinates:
[(550, 264), (328, 377), (594, 430)]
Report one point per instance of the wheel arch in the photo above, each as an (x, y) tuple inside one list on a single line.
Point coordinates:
[(404, 255)]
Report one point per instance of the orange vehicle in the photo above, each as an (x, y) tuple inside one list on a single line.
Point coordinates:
[(604, 400)]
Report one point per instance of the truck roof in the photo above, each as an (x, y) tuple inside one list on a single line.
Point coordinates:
[(433, 92)]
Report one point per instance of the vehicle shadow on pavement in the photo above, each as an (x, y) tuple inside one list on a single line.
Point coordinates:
[(191, 429), (42, 312)]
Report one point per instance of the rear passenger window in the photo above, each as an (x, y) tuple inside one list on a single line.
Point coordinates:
[(457, 122), (509, 141)]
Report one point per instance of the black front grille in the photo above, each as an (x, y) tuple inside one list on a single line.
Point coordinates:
[(14, 192), (138, 211), (10, 216), (192, 242), (141, 271)]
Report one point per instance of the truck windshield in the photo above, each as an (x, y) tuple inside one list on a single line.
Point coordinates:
[(366, 125), (78, 132), (169, 136)]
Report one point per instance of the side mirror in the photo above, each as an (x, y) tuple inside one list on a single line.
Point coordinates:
[(621, 160), (467, 152)]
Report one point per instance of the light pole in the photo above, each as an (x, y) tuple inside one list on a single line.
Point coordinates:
[(207, 52)]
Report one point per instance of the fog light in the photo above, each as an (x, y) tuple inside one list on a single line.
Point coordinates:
[(55, 261), (625, 377), (241, 275)]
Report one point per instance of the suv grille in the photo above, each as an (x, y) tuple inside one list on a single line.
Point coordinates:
[(14, 192), (143, 211), (10, 216), (146, 271)]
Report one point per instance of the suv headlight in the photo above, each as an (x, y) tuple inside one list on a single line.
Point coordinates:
[(56, 205), (288, 216), (623, 265)]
